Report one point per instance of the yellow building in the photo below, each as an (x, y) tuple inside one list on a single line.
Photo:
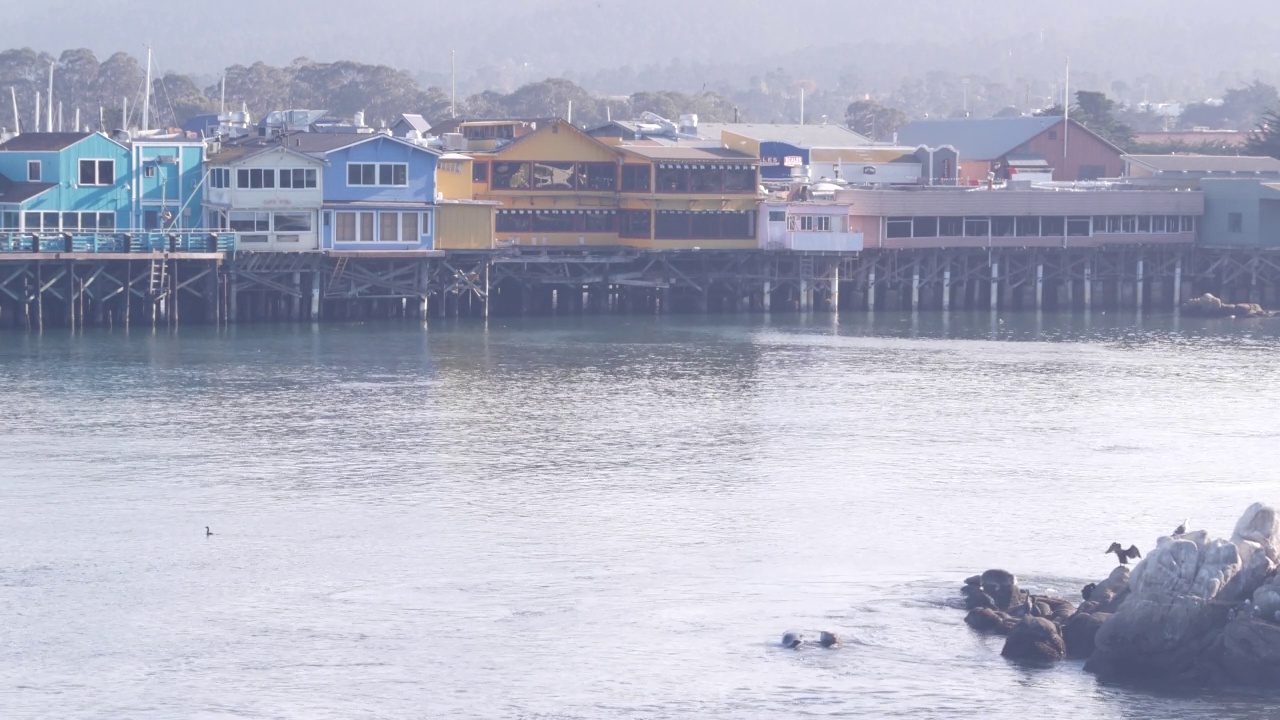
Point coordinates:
[(558, 186)]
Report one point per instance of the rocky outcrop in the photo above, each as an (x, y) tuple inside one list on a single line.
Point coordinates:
[(1207, 305), (1034, 640), (1194, 610)]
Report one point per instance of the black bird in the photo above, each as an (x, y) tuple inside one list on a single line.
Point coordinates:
[(207, 531), (1086, 592), (829, 639), (1123, 555), (1181, 529)]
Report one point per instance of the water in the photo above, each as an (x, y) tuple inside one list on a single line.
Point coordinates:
[(599, 518)]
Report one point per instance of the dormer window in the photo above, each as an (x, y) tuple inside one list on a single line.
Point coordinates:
[(33, 171)]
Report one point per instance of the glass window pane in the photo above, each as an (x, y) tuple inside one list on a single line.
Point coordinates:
[(106, 172), (366, 225), (88, 221), (107, 221), (384, 175), (389, 225), (346, 227), (553, 176), (409, 227), (976, 227), (401, 175), (293, 222), (88, 172), (924, 227), (1053, 226)]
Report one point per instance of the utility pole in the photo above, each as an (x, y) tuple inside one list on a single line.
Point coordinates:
[(453, 80)]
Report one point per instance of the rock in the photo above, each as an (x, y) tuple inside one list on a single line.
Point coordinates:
[(1163, 628), (1207, 305), (1002, 587), (1251, 652), (1034, 640), (990, 621), (1107, 595), (1260, 525), (1266, 599), (1079, 632)]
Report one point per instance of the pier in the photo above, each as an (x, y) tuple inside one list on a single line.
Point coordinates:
[(170, 279)]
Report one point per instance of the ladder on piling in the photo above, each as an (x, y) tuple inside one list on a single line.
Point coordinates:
[(159, 278), (806, 267), (338, 269)]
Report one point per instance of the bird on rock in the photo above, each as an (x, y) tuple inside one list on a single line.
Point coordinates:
[(1122, 554), (1181, 529), (1086, 592)]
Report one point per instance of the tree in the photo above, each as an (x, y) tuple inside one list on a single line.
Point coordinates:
[(1264, 139), (1239, 108), (876, 121), (1098, 113)]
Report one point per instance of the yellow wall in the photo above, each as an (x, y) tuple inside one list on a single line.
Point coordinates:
[(557, 141), (532, 239), (741, 143), (464, 226), (451, 184)]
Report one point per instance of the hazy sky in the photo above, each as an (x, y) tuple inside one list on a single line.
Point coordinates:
[(579, 37)]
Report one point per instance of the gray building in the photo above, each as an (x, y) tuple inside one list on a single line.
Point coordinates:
[(1240, 212)]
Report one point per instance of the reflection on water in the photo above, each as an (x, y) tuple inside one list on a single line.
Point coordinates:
[(598, 517)]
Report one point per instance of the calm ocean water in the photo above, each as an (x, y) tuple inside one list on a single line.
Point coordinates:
[(601, 517)]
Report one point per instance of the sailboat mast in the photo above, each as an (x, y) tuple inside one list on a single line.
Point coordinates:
[(146, 96), (49, 109)]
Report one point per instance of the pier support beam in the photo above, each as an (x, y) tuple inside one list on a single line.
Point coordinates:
[(915, 285), (1087, 289), (833, 298), (766, 299), (1137, 288), (995, 286), (1177, 282), (1039, 286), (946, 289), (871, 289)]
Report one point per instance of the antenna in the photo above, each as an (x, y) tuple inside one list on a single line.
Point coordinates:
[(48, 121), (17, 122), (146, 95), (222, 107), (102, 119), (453, 78)]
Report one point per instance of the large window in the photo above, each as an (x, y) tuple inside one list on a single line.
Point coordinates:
[(977, 227), (85, 222), (951, 227), (1028, 226), (558, 221), (1053, 226), (511, 176), (898, 227), (678, 225), (810, 223), (706, 179), (1078, 226), (553, 176), (599, 177), (386, 227), (635, 223), (255, 178), (378, 174), (1050, 226), (635, 178), (293, 222), (672, 179), (33, 171), (297, 178), (250, 221), (97, 172)]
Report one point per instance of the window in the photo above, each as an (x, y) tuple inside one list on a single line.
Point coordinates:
[(293, 222), (106, 221), (366, 226), (1099, 223), (1188, 223), (1113, 223), (250, 221), (602, 222), (552, 222), (950, 227), (554, 176), (255, 178), (1053, 226), (70, 221), (1002, 226), (672, 179), (812, 223), (1053, 134), (1144, 223), (31, 220), (97, 172), (924, 227), (1235, 222), (898, 227), (511, 176), (345, 229), (678, 225), (298, 178), (149, 171), (1157, 223), (635, 178), (382, 174), (1129, 224), (33, 171), (507, 221), (409, 227), (220, 178), (635, 223), (777, 216), (480, 172), (598, 177), (1078, 226), (977, 227), (740, 180), (1091, 172), (1028, 226)]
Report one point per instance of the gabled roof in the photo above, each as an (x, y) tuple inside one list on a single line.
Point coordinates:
[(415, 122), (13, 193), (453, 125), (231, 154), (43, 142), (804, 136), (1225, 164), (985, 139)]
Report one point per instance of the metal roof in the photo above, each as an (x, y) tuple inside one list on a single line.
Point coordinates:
[(674, 152), (1241, 164), (804, 136), (985, 139), (13, 193), (43, 142), (415, 122)]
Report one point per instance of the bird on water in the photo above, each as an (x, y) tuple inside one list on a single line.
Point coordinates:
[(207, 531), (1181, 529), (1122, 554)]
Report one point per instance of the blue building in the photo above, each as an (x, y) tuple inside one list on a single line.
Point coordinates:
[(379, 192), (64, 182), (166, 183)]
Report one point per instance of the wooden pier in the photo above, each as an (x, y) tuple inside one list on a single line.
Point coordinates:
[(51, 288)]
